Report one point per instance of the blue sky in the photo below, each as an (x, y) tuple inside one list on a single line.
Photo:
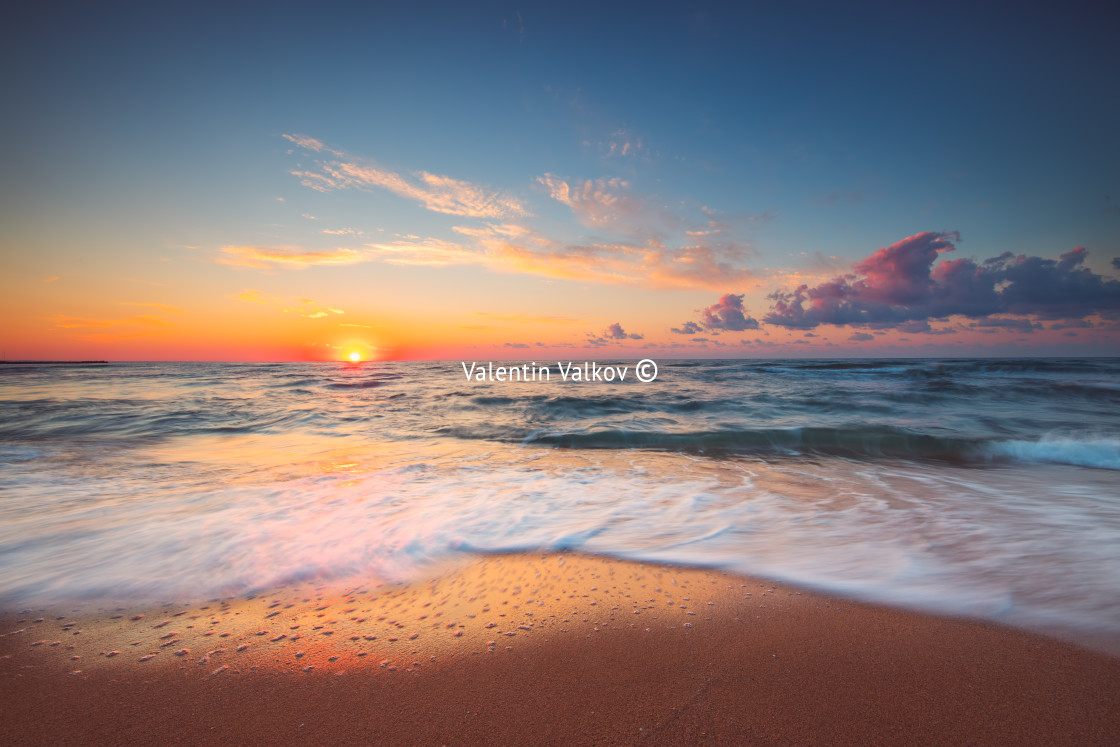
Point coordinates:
[(143, 141)]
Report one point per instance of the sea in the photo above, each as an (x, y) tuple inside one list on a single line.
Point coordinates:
[(980, 488)]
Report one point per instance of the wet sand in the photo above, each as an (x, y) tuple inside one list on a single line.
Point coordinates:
[(554, 649)]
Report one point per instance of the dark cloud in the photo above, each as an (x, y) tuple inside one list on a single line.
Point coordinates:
[(612, 333), (1116, 262), (727, 314), (901, 286), (1018, 325), (688, 328), (616, 332), (915, 326), (1073, 323), (860, 337)]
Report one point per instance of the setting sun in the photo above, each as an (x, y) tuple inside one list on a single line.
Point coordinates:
[(355, 357)]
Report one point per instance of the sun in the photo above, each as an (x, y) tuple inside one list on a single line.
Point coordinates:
[(355, 357)]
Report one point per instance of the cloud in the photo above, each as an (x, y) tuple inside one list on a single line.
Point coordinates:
[(50, 279), (310, 143), (1116, 262), (430, 252), (620, 144), (599, 203), (1014, 324), (651, 264), (688, 328), (441, 194), (255, 296), (309, 308), (519, 345), (726, 314), (1073, 323), (342, 232), (289, 256), (919, 327), (616, 332), (511, 247), (905, 283), (611, 334), (860, 337)]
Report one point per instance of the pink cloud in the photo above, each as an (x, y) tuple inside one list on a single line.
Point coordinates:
[(904, 284), (726, 314)]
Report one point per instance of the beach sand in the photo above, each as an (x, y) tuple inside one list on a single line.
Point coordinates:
[(544, 649)]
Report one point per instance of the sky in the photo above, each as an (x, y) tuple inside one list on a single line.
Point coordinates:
[(558, 181)]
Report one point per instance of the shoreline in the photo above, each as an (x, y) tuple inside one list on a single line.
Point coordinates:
[(564, 648)]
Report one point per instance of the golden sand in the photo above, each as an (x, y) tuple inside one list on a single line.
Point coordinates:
[(552, 649)]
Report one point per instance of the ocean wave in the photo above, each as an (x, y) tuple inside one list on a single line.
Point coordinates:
[(1100, 452), (857, 441)]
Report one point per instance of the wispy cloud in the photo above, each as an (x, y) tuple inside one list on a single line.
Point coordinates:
[(621, 143), (310, 143), (255, 296), (514, 248), (441, 194), (1015, 324), (305, 307), (432, 252), (311, 309), (599, 203), (508, 248), (289, 256)]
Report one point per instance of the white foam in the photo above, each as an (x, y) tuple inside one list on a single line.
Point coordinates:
[(1018, 544), (1100, 452)]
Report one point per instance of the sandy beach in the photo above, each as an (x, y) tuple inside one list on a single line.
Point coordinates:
[(544, 649)]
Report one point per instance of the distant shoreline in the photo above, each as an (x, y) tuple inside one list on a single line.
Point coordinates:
[(53, 363)]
